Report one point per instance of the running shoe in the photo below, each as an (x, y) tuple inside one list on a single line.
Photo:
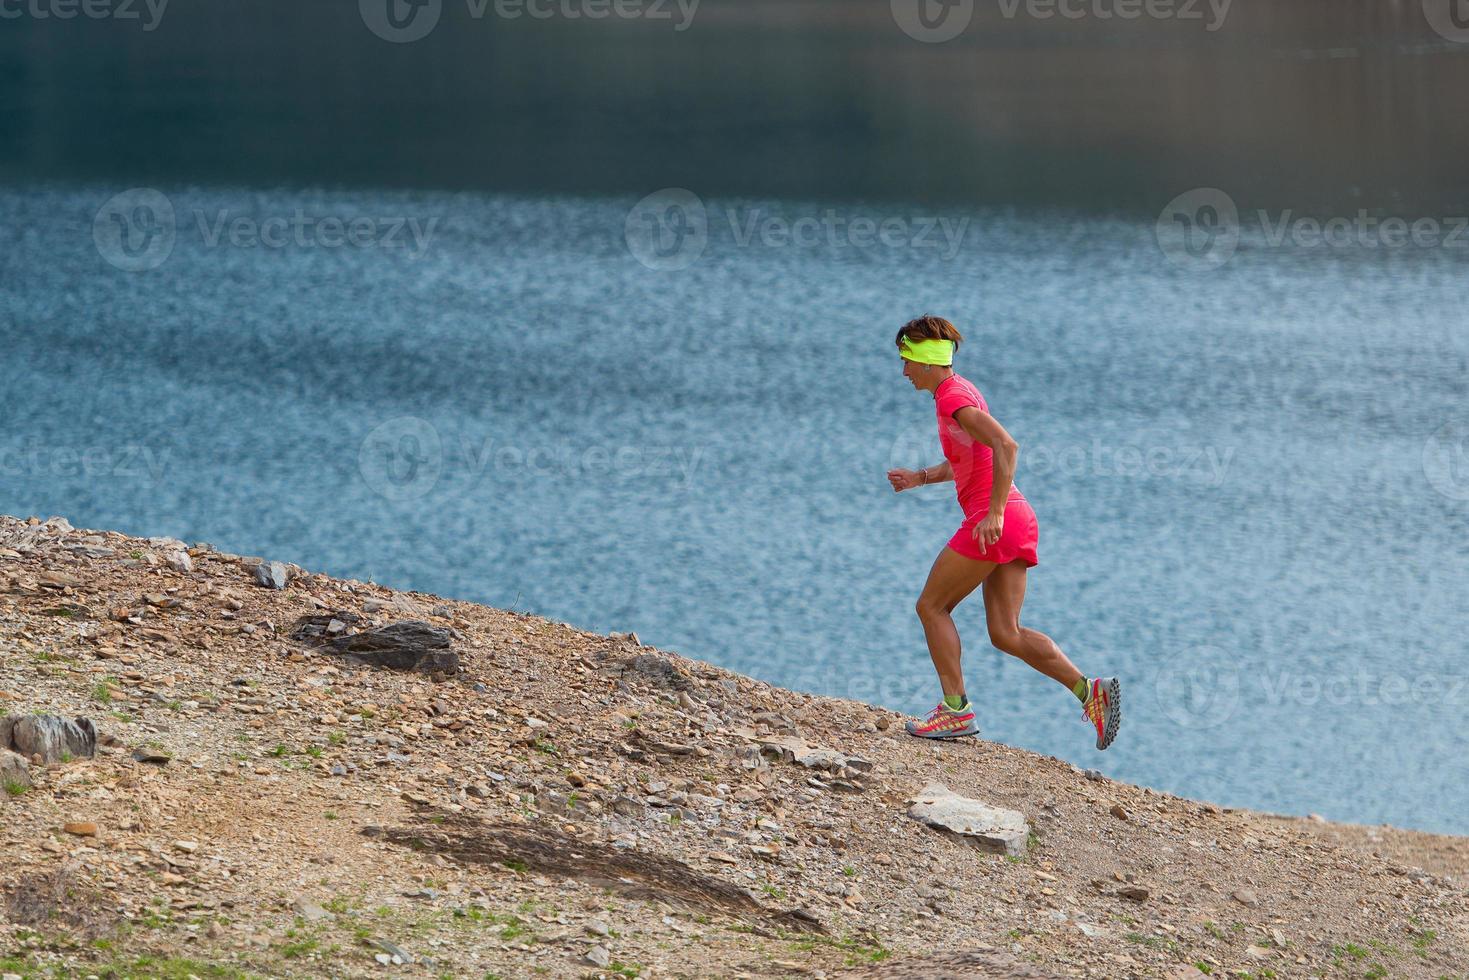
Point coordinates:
[(945, 722), (1103, 709)]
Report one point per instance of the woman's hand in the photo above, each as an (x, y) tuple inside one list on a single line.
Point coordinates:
[(904, 480), (988, 531)]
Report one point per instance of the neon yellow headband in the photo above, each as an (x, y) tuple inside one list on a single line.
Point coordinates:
[(940, 352)]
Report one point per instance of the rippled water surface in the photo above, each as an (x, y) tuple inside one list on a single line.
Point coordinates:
[(1251, 481)]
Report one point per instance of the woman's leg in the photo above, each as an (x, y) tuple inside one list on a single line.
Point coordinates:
[(1004, 594), (951, 579)]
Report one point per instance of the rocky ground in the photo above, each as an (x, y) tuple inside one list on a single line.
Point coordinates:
[(566, 804)]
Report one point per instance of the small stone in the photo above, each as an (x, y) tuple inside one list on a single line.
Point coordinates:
[(599, 956), (1134, 893), (272, 575), (310, 911), (1118, 812), (187, 846), (1095, 775), (1247, 898), (80, 828), (15, 772), (155, 757), (597, 927), (179, 561)]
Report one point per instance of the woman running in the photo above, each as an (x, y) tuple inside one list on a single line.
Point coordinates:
[(995, 545)]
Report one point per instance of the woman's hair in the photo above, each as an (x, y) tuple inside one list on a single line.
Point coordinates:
[(929, 328)]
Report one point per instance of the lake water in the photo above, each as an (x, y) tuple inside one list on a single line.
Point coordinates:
[(1251, 478)]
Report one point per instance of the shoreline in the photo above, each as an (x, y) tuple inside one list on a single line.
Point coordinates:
[(724, 827)]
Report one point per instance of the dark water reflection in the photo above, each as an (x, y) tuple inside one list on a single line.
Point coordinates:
[(1324, 105)]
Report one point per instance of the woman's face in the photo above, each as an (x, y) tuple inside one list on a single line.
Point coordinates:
[(916, 373)]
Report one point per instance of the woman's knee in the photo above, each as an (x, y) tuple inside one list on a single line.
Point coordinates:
[(1006, 637), (928, 608)]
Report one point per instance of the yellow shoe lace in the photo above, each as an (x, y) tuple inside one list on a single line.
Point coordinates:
[(1093, 710)]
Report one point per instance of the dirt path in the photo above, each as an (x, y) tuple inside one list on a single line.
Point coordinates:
[(320, 817)]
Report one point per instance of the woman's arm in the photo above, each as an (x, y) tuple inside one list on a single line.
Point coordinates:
[(908, 479), (983, 427)]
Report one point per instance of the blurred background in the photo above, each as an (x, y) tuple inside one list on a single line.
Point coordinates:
[(586, 308)]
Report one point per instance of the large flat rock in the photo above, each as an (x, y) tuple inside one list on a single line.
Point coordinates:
[(990, 828)]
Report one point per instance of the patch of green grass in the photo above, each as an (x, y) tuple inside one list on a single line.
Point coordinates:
[(123, 717), (1375, 972), (625, 969), (279, 751), (102, 693), (166, 968), (313, 750), (330, 815), (849, 871), (857, 951), (778, 894), (336, 738), (298, 949), (1152, 942), (542, 745), (1422, 940), (13, 788), (517, 866), (1203, 967), (1213, 929)]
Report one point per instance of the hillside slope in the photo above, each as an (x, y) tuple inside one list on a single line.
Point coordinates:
[(568, 804)]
